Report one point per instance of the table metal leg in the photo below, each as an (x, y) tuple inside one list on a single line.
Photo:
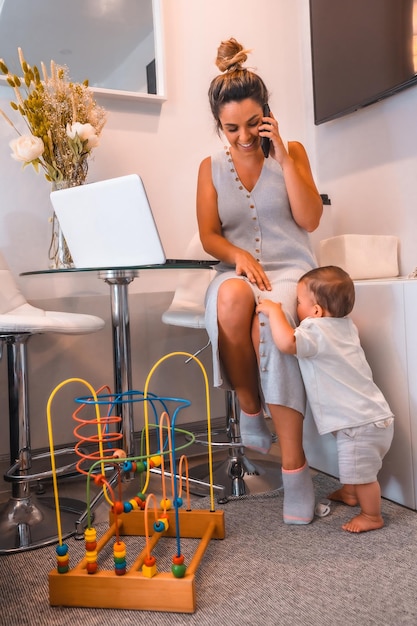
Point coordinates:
[(119, 282)]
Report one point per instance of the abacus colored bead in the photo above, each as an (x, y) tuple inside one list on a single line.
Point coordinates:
[(92, 568), (120, 572), (127, 466), (140, 467), (90, 534), (120, 560), (119, 546), (99, 480), (90, 545), (62, 549), (127, 507), (178, 502), (159, 526), (149, 571), (178, 570), (166, 504), (119, 454), (156, 460), (149, 560), (62, 560), (117, 507), (178, 559)]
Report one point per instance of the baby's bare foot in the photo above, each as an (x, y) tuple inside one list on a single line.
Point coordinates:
[(362, 523), (345, 496)]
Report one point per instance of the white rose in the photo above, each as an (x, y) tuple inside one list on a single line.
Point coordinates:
[(27, 148), (86, 132)]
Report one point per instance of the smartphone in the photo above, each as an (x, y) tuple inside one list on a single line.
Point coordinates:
[(265, 141)]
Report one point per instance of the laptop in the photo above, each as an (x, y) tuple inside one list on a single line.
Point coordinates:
[(110, 224)]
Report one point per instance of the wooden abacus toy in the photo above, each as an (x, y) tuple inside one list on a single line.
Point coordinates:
[(139, 585)]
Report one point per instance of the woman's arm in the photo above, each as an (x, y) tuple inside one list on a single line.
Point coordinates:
[(305, 201), (211, 236)]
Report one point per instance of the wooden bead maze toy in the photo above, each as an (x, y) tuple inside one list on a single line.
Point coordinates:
[(138, 584)]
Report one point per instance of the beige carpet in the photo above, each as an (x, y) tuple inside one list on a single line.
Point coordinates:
[(263, 572)]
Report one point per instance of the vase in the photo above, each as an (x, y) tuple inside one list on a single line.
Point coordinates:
[(59, 253)]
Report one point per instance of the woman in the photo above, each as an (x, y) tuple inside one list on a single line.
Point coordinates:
[(254, 215)]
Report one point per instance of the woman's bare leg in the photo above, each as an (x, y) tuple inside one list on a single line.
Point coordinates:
[(299, 498), (235, 312)]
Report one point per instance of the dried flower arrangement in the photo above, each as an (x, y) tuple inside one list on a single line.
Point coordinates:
[(63, 119)]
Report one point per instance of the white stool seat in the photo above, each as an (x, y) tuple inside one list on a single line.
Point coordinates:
[(29, 319)]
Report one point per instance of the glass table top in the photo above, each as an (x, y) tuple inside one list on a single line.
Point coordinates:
[(169, 264)]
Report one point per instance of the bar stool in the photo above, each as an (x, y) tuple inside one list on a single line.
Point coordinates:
[(238, 474), (26, 520)]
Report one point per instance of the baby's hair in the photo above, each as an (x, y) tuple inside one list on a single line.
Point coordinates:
[(332, 288), (236, 83)]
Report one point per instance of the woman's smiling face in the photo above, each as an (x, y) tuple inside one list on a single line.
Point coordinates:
[(240, 122)]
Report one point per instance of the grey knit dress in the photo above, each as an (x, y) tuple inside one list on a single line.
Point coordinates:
[(261, 222)]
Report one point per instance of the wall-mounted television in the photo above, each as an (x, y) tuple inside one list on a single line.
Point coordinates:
[(362, 52)]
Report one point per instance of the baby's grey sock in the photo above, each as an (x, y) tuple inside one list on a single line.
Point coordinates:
[(299, 497), (254, 431)]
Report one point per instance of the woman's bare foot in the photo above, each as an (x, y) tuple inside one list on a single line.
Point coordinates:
[(362, 523), (344, 495)]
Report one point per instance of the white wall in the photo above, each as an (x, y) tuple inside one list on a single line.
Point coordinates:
[(365, 162)]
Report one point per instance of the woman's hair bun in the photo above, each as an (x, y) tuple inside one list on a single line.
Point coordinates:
[(231, 55)]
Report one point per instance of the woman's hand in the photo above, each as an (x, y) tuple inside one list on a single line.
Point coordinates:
[(247, 266), (270, 128)]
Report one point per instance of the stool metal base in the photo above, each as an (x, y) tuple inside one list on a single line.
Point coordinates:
[(28, 523), (240, 476)]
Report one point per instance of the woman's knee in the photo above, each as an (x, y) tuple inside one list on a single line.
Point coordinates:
[(235, 300)]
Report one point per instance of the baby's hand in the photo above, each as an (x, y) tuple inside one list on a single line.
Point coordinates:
[(266, 306)]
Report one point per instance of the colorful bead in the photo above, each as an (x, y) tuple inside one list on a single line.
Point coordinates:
[(178, 570), (119, 556), (62, 549), (166, 504), (156, 460), (178, 559), (140, 467), (99, 480), (90, 534), (92, 568), (159, 526), (62, 559), (149, 571), (119, 454), (117, 507)]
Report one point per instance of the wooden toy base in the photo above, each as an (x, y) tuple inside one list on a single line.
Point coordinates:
[(133, 590)]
